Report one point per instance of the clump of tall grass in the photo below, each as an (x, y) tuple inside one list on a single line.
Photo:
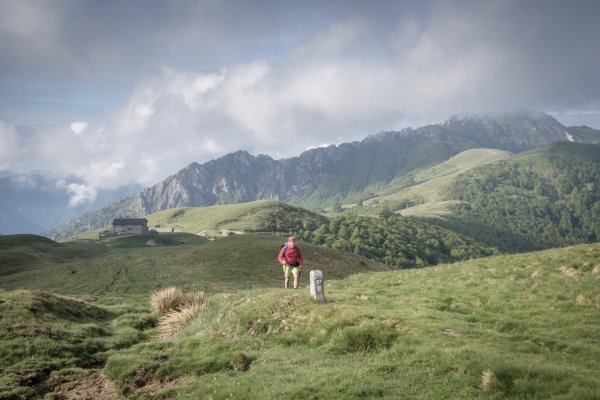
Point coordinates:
[(189, 299), (165, 300), (178, 309), (173, 322)]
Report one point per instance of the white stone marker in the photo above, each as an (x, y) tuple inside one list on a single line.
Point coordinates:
[(317, 287)]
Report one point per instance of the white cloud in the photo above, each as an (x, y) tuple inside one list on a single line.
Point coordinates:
[(352, 78), (79, 127), (79, 193)]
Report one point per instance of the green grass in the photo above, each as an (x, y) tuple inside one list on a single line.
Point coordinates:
[(18, 251), (425, 194), (130, 269), (462, 162), (515, 327), (571, 153), (511, 327), (43, 333), (261, 216)]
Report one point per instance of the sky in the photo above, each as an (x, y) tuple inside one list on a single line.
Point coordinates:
[(115, 93)]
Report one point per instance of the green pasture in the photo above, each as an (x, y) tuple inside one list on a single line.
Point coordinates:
[(509, 327), (461, 162), (128, 268), (506, 327), (425, 194), (215, 221)]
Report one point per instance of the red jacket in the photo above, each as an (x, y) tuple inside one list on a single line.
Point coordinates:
[(292, 256)]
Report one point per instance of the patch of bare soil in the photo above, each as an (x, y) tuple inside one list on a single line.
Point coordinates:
[(153, 387), (95, 387)]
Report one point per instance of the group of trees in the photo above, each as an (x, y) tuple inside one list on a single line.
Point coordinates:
[(396, 241), (517, 208), (283, 218)]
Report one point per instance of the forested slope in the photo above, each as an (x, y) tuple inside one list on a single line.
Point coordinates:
[(544, 198)]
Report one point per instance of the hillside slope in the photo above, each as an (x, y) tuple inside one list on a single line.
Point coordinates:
[(543, 198), (423, 197), (257, 216), (504, 327), (227, 264)]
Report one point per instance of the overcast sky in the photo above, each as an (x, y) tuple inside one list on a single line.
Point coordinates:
[(120, 92)]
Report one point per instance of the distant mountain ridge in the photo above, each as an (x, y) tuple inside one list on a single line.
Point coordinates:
[(322, 175)]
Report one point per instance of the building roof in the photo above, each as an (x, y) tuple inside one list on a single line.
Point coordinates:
[(130, 221)]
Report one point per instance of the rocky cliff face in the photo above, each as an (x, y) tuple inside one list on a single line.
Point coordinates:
[(240, 177)]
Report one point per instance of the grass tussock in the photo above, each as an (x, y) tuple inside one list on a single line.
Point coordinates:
[(195, 298), (166, 300), (173, 322), (178, 309)]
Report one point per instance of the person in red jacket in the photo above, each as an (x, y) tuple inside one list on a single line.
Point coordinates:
[(292, 260)]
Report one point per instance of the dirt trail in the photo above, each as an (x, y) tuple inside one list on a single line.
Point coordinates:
[(224, 232), (116, 277)]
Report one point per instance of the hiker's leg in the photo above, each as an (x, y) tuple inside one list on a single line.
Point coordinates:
[(295, 280), (286, 274)]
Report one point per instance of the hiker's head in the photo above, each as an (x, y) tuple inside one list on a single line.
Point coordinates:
[(292, 241)]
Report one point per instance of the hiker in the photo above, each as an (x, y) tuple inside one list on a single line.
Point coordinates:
[(292, 260)]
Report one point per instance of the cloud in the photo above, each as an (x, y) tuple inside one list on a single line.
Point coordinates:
[(79, 127), (349, 77), (79, 193)]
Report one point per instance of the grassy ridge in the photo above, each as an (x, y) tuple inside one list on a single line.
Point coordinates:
[(227, 264), (256, 216), (546, 198), (17, 251), (510, 327), (421, 195)]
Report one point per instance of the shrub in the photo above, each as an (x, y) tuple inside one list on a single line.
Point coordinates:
[(178, 309)]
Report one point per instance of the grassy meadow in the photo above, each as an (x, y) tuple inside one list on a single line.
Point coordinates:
[(216, 221), (424, 194), (506, 327), (515, 327)]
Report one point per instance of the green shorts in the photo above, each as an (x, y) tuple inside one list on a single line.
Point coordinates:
[(288, 272)]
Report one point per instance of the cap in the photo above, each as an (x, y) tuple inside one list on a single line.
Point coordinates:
[(292, 239)]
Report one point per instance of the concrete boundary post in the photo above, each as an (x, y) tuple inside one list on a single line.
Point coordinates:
[(317, 287)]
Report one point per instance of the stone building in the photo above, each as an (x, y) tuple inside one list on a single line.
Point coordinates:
[(129, 226)]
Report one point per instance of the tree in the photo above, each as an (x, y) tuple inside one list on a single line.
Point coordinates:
[(336, 207)]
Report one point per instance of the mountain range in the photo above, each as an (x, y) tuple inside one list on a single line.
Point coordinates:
[(349, 171)]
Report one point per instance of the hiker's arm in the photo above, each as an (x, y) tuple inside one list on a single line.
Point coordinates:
[(281, 260)]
